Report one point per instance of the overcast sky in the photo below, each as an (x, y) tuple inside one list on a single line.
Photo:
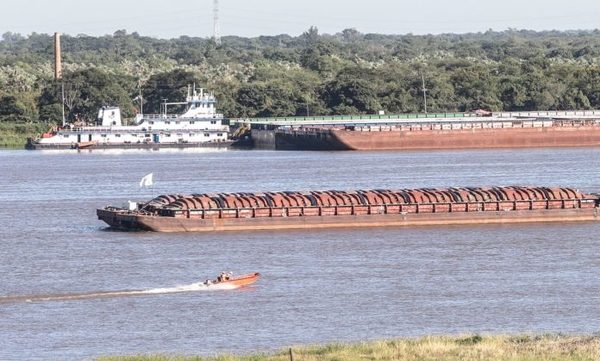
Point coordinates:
[(172, 18)]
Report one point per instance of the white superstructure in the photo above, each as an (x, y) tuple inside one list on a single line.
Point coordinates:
[(199, 125)]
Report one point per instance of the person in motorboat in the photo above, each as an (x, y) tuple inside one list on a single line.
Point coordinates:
[(224, 276)]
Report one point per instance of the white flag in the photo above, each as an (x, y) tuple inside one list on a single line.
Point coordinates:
[(146, 180)]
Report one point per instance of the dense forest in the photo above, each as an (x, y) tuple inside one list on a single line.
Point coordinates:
[(316, 74)]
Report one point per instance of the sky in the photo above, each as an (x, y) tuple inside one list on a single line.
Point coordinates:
[(250, 18)]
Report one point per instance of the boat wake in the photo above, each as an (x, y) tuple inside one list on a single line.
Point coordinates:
[(194, 287)]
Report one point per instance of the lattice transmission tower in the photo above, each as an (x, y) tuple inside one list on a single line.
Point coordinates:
[(216, 28)]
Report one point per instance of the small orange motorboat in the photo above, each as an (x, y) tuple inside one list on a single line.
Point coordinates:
[(228, 280)]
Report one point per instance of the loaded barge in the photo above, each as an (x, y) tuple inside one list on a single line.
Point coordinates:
[(361, 208)]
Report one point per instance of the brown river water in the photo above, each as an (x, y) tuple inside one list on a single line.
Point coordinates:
[(73, 290)]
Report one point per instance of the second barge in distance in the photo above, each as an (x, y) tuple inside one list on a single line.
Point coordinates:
[(476, 130), (368, 208)]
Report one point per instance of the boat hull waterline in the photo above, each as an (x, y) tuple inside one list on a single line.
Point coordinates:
[(129, 222), (96, 146)]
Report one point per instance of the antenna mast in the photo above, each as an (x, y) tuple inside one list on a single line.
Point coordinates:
[(216, 30)]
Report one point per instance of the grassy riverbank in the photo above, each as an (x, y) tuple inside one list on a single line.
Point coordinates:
[(14, 135), (492, 348)]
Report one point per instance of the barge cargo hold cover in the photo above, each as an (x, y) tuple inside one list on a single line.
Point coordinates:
[(361, 208)]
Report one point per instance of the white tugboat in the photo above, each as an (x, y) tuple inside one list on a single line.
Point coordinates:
[(199, 126)]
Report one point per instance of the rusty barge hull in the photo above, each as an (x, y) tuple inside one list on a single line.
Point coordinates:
[(425, 137), (163, 224), (37, 146), (362, 208)]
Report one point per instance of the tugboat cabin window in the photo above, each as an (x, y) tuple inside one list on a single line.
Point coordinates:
[(191, 122), (213, 122), (103, 135), (206, 134), (118, 135)]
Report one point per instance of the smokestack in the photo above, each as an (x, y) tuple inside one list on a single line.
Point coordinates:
[(57, 57)]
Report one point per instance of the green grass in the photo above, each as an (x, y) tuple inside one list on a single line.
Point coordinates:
[(14, 135), (457, 348)]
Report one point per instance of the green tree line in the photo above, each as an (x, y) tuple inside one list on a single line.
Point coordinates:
[(311, 74)]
